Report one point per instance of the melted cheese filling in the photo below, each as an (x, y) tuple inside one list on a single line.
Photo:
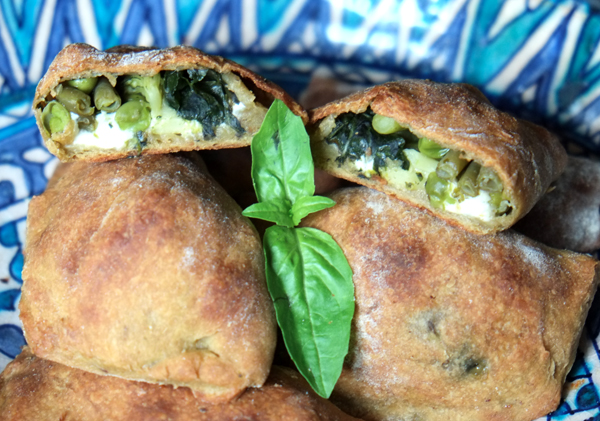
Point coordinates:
[(365, 164), (478, 206), (414, 178), (238, 109), (169, 122), (108, 134)]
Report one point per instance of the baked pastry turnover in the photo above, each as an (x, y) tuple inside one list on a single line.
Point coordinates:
[(145, 269), (451, 325), (440, 147), (34, 389), (98, 105)]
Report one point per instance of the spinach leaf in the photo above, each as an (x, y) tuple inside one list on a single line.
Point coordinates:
[(314, 307), (309, 278), (355, 137), (202, 95)]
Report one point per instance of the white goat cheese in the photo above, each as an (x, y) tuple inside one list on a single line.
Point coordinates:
[(108, 134)]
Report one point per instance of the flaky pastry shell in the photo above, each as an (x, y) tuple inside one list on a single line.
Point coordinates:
[(145, 269), (34, 389), (526, 157), (451, 325), (83, 61)]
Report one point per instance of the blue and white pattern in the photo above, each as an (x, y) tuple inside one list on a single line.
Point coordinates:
[(538, 58)]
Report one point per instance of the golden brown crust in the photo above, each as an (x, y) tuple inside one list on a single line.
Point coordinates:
[(451, 325), (144, 268), (34, 389), (82, 60), (526, 156)]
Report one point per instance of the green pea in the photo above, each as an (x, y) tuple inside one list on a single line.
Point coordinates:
[(451, 165), (431, 149), (134, 143), (74, 100), (385, 125), (500, 204), (489, 181), (467, 182), (131, 88), (88, 123), (85, 85), (134, 115), (55, 117), (106, 97), (439, 191)]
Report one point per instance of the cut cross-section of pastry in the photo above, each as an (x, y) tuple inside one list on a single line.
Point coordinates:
[(100, 105), (440, 147)]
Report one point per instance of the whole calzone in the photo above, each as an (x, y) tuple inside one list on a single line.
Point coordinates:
[(99, 105), (34, 389), (450, 325), (144, 268), (440, 147)]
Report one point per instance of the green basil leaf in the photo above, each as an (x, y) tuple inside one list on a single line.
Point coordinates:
[(274, 211), (310, 282), (282, 170), (308, 275), (309, 204)]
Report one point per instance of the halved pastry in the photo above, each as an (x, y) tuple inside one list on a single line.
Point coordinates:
[(99, 105), (145, 269), (450, 325), (441, 147), (34, 389)]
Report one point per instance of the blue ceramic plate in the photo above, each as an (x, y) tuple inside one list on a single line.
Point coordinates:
[(538, 59)]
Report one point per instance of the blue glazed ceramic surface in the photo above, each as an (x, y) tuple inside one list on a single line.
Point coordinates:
[(539, 59)]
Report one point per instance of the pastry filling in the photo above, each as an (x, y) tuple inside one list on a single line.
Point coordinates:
[(376, 145), (193, 104)]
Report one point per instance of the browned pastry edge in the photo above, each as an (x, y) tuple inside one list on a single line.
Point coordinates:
[(144, 268), (32, 388), (527, 157), (434, 301), (82, 60)]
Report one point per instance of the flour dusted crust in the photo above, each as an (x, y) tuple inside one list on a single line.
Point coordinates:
[(144, 268), (82, 60), (34, 389), (451, 325), (526, 157)]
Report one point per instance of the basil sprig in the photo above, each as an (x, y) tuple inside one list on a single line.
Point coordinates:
[(308, 276)]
